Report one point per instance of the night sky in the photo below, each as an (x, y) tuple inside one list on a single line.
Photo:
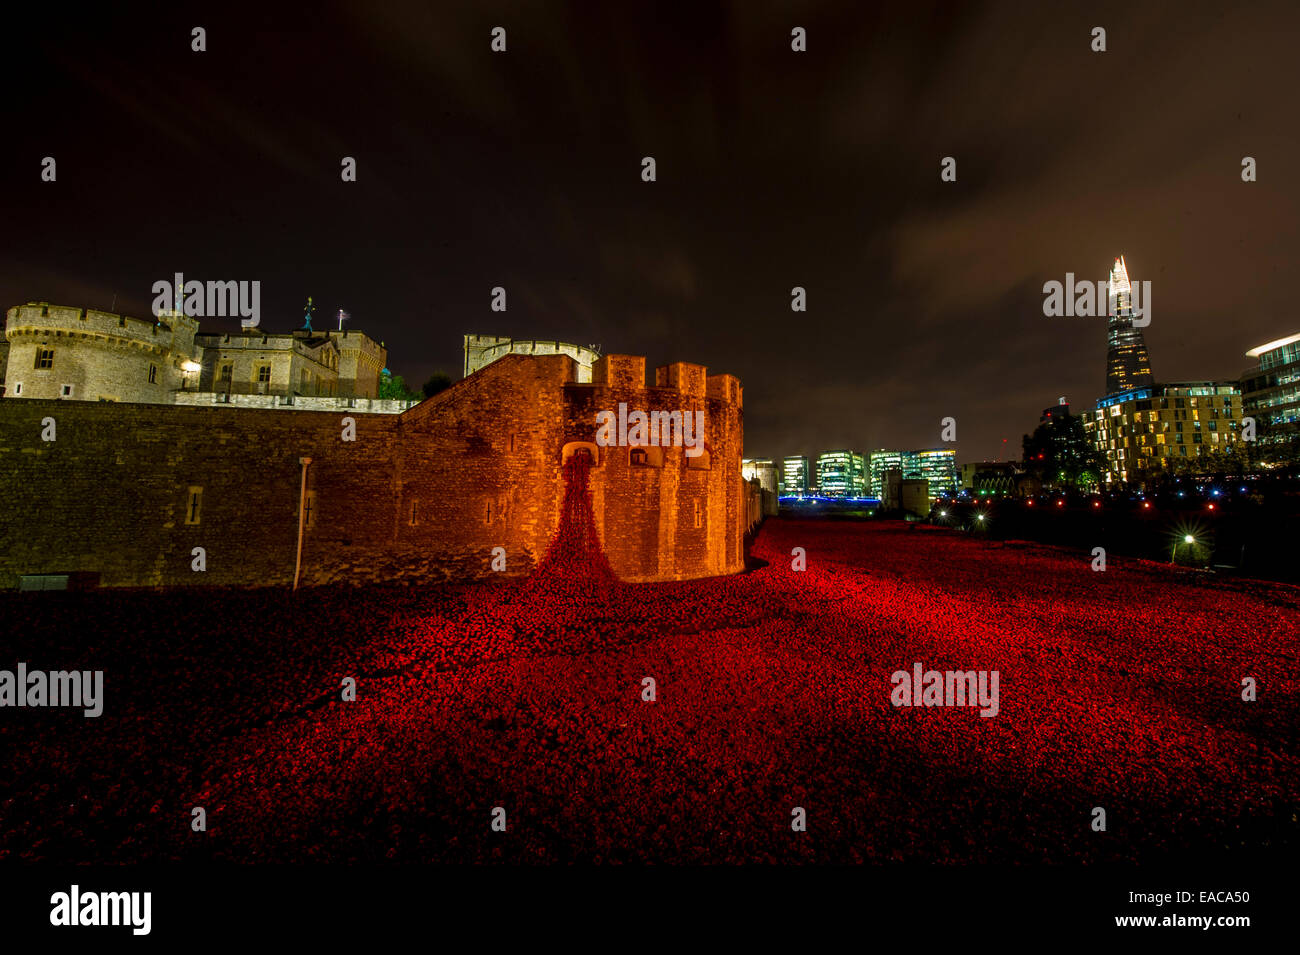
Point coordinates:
[(775, 169)]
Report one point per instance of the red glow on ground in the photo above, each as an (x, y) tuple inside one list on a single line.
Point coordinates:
[(1118, 689)]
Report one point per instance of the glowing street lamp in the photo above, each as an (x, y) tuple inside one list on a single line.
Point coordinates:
[(1187, 539)]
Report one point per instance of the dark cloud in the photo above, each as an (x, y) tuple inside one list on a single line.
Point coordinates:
[(775, 169)]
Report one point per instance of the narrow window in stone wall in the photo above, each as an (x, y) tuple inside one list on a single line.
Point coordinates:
[(309, 509), (415, 512), (193, 504), (45, 358), (227, 371), (18, 387), (153, 374), (488, 516), (263, 374), (699, 514), (67, 391)]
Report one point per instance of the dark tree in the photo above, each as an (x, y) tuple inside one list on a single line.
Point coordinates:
[(1060, 455), (437, 382), (394, 387)]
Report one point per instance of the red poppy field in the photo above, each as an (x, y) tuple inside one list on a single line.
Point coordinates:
[(1120, 689)]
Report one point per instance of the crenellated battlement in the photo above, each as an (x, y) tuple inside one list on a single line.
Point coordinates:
[(349, 341), (40, 319), (685, 378)]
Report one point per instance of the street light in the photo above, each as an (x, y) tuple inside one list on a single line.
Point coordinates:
[(1187, 539)]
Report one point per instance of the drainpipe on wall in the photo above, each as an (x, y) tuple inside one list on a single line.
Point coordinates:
[(302, 506)]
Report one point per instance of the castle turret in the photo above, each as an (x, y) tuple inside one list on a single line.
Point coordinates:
[(85, 354)]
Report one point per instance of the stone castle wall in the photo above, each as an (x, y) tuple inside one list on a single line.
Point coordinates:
[(339, 403), (482, 350), (106, 356), (424, 495), (361, 360), (99, 354)]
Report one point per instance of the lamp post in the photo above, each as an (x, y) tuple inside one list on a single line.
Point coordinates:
[(1187, 539), (302, 504)]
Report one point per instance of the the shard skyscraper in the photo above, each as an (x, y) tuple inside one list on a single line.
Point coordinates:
[(1128, 365)]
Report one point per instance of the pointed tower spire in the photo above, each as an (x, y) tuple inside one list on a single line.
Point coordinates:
[(1121, 291), (1128, 365)]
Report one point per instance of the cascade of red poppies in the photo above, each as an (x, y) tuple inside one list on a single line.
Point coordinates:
[(575, 558)]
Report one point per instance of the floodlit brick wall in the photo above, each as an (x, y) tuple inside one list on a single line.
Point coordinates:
[(480, 466), (424, 495), (672, 518)]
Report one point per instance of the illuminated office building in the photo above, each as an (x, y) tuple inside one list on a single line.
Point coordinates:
[(794, 476), (937, 466), (881, 461), (1271, 395), (841, 474)]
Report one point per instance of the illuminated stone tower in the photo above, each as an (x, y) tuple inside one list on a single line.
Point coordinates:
[(1128, 365)]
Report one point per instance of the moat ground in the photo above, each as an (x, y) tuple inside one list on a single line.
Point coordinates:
[(1120, 690)]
